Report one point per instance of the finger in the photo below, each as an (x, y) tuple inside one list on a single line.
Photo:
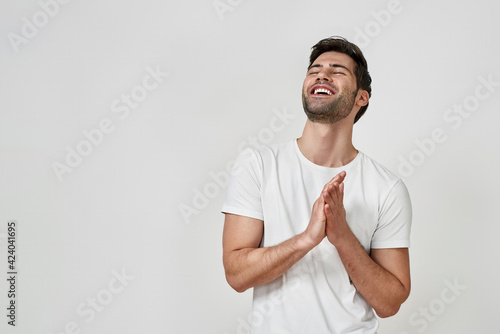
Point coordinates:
[(331, 188), (342, 176), (338, 178), (336, 191), (328, 195), (321, 208), (329, 213), (318, 204), (327, 209)]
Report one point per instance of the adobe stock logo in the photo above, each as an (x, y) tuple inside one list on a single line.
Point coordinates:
[(210, 190), (373, 28), (30, 28), (265, 308), (88, 309), (453, 117), (223, 6), (437, 306), (122, 107)]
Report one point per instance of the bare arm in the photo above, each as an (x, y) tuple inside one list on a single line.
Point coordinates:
[(382, 279), (246, 265)]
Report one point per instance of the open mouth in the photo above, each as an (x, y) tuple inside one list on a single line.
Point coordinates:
[(322, 90)]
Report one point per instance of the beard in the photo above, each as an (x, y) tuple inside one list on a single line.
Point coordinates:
[(329, 112)]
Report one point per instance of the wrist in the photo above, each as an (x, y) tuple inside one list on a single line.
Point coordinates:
[(345, 240), (306, 242)]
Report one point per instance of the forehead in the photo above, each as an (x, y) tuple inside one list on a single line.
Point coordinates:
[(334, 57)]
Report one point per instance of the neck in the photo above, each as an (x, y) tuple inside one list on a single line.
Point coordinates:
[(328, 145)]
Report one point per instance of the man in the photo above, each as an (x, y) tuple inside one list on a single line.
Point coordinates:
[(316, 227)]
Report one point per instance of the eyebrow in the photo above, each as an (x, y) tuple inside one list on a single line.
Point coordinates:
[(331, 65)]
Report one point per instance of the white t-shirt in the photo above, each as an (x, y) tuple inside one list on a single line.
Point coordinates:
[(278, 185)]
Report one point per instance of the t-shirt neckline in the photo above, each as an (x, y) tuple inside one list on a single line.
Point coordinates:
[(324, 168)]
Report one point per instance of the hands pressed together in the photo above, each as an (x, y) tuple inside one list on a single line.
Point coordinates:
[(328, 217)]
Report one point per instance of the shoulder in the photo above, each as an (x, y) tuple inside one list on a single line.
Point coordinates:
[(266, 153), (261, 158), (394, 203), (378, 173)]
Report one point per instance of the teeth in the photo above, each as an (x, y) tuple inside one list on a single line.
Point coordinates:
[(322, 90)]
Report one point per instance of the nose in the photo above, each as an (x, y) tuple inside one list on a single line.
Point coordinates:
[(323, 75)]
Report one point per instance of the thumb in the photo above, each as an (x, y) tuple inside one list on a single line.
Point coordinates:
[(321, 205)]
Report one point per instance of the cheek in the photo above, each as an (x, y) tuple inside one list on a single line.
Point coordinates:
[(352, 86), (347, 87), (305, 85)]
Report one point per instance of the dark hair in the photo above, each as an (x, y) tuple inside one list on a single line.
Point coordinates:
[(342, 45)]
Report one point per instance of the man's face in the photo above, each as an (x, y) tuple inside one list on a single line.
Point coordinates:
[(329, 90)]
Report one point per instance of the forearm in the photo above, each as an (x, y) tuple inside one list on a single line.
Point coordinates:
[(250, 267), (381, 289), (383, 279)]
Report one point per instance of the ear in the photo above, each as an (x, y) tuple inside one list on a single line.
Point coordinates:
[(362, 98)]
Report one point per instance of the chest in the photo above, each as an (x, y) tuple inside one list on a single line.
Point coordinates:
[(287, 200)]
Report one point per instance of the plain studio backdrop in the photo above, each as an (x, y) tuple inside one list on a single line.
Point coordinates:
[(121, 119)]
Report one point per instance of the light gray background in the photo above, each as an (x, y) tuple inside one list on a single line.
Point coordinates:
[(229, 73)]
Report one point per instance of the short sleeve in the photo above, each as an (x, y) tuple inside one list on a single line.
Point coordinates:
[(243, 193), (395, 218)]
